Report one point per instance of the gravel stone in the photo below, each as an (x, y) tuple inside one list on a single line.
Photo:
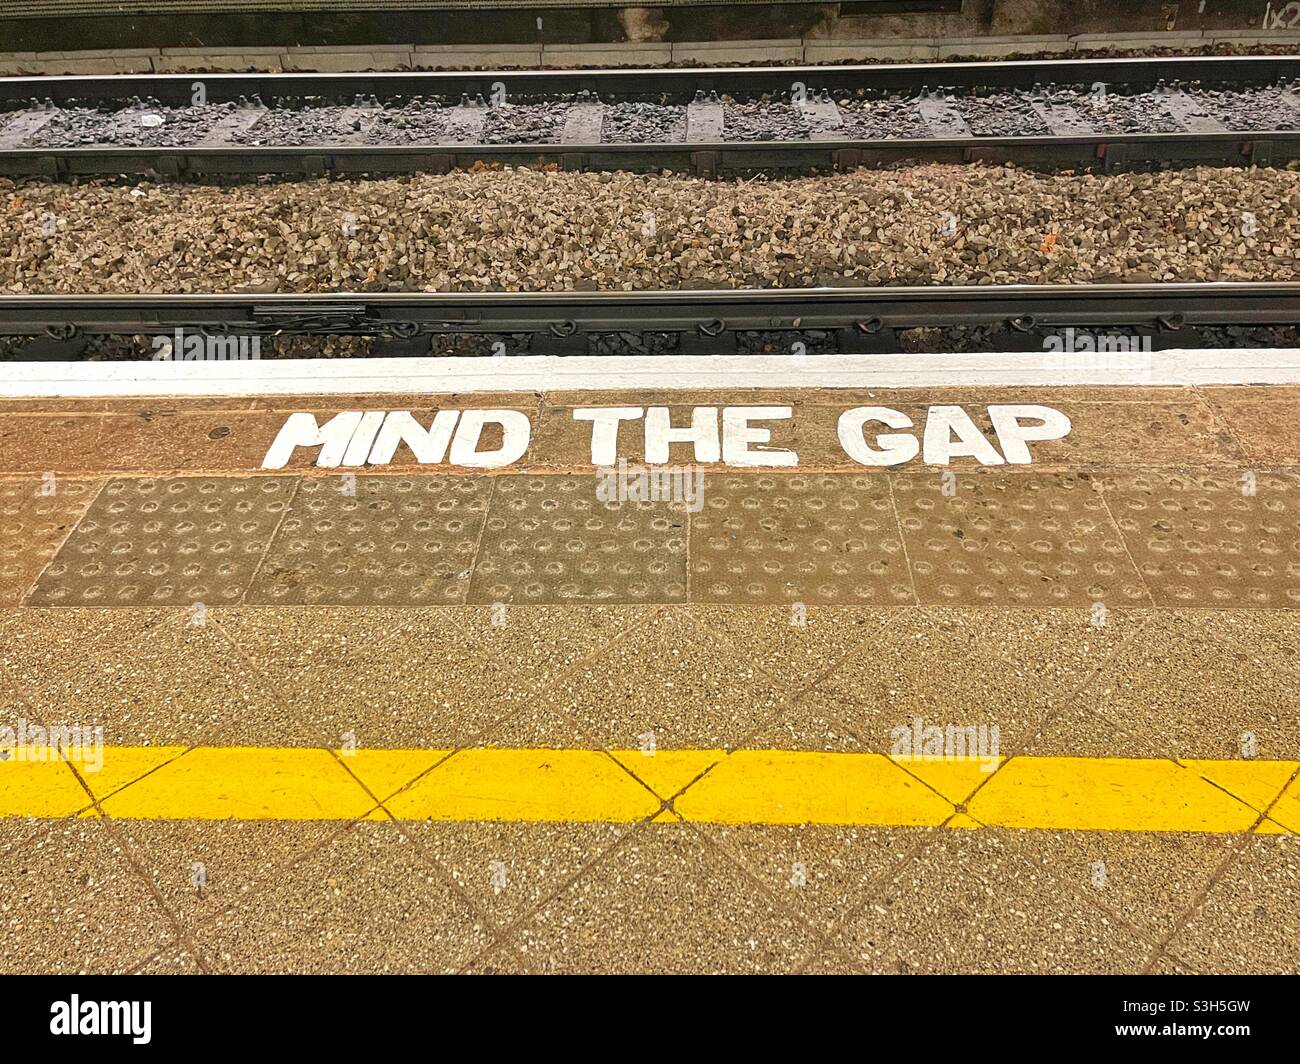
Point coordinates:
[(762, 120), (1257, 109), (136, 127), (516, 229), (883, 118), (1002, 114), (531, 120), (524, 123), (1143, 112), (418, 122), (312, 125), (640, 123)]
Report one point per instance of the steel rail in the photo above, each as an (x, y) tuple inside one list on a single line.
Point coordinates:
[(1108, 152), (1096, 150), (701, 321)]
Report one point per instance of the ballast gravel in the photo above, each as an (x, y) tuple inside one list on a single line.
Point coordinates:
[(880, 118), (523, 123), (1002, 114), (1268, 108), (315, 121), (1111, 112), (640, 123), (418, 122), (523, 229), (133, 127), (762, 120)]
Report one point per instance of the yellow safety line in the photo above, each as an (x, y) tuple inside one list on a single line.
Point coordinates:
[(705, 786)]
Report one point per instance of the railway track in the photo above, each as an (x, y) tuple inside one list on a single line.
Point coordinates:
[(812, 321), (1103, 114)]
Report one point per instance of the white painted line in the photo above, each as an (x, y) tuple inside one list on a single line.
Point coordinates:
[(442, 376)]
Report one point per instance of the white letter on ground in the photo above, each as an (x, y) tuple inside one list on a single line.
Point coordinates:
[(940, 448), (401, 427), (1012, 435), (738, 434), (895, 447), (659, 433), (516, 430), (604, 429), (301, 430)]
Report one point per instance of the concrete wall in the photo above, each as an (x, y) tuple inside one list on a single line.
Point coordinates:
[(241, 25), (822, 49), (455, 36)]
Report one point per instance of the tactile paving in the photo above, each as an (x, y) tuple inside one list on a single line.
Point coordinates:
[(167, 543), (550, 539), (375, 540), (36, 515), (1013, 539), (787, 538), (1213, 540)]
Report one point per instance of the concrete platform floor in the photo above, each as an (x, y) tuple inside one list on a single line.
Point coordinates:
[(423, 717)]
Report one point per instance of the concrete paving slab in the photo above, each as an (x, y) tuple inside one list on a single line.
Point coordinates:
[(200, 868), (507, 870), (174, 542), (422, 677), (794, 645), (375, 541), (1212, 540), (666, 683), (1076, 730), (1264, 422), (964, 668), (70, 902), (969, 903), (823, 873), (553, 540), (665, 901), (1149, 881), (171, 960), (144, 677), (793, 538), (367, 901), (1249, 921), (1014, 539), (1243, 663), (36, 516)]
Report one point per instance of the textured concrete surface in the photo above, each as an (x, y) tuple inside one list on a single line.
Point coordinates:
[(1121, 600)]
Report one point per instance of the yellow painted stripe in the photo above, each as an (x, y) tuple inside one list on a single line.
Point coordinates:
[(787, 787), (240, 783), (1117, 794), (39, 788), (705, 786)]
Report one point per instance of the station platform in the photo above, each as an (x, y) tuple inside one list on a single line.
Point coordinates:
[(944, 679)]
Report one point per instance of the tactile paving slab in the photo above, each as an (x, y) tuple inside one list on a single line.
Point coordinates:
[(786, 538), (167, 543), (1213, 540), (550, 539), (377, 540), (1013, 539), (36, 515)]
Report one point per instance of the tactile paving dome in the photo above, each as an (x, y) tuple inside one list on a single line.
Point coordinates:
[(797, 538), (377, 540), (167, 543), (1013, 539), (550, 539), (1213, 540), (35, 517)]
